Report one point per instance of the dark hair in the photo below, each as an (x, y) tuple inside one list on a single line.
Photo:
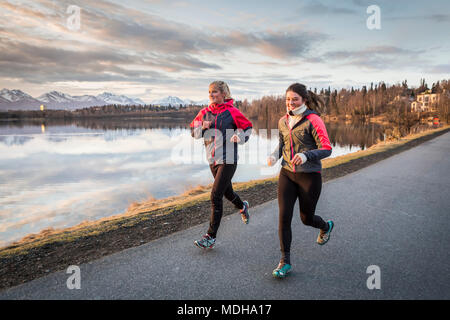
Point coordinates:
[(312, 100)]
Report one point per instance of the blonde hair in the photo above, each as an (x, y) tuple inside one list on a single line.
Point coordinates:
[(223, 87)]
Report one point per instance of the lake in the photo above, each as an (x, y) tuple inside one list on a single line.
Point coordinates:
[(60, 173)]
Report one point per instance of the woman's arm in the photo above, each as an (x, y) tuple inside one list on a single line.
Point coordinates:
[(320, 135), (277, 152), (243, 125), (197, 130)]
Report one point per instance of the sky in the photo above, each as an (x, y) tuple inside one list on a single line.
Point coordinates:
[(155, 48)]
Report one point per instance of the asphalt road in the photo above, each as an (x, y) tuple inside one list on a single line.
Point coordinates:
[(393, 214)]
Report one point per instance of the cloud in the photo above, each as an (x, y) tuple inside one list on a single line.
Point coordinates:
[(362, 3), (319, 76), (318, 8), (156, 33), (435, 17), (274, 44), (97, 53), (438, 17), (116, 43), (440, 68), (374, 57), (122, 47), (372, 50), (47, 64)]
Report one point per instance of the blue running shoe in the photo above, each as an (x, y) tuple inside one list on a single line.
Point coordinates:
[(244, 213), (282, 270), (206, 242), (325, 236)]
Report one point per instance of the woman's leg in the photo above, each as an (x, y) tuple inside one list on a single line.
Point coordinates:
[(310, 186), (287, 196), (232, 196), (229, 193), (222, 180)]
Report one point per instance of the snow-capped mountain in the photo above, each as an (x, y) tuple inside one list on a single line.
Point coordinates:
[(115, 99), (18, 100), (101, 99), (55, 96), (175, 102), (197, 103), (58, 100), (15, 96), (86, 98), (203, 102)]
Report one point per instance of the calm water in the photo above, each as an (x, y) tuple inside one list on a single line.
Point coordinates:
[(60, 174)]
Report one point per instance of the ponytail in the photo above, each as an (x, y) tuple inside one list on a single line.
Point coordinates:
[(315, 103)]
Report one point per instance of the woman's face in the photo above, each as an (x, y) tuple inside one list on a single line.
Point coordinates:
[(215, 95), (293, 100)]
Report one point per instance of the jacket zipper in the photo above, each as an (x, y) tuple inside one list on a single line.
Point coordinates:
[(290, 139), (215, 133)]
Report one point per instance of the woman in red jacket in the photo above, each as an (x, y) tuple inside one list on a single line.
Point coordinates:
[(223, 127), (303, 142)]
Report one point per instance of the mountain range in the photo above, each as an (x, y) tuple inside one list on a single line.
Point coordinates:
[(19, 100), (175, 101)]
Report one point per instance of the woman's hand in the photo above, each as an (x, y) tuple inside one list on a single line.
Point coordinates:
[(235, 139), (297, 160), (271, 161), (206, 124)]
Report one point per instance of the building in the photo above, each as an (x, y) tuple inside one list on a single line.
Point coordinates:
[(406, 98), (425, 101)]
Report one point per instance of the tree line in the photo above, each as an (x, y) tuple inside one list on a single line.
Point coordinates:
[(392, 101), (105, 111)]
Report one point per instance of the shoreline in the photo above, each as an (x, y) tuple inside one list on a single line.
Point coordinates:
[(51, 250), (380, 119), (54, 114)]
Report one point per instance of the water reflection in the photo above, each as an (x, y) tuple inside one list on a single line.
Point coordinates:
[(60, 173)]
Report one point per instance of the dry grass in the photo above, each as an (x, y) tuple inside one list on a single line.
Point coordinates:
[(379, 147)]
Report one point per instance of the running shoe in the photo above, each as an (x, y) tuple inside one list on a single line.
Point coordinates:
[(206, 242), (324, 236), (282, 270), (244, 213)]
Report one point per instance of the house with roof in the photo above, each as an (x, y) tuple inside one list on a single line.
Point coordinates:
[(426, 101)]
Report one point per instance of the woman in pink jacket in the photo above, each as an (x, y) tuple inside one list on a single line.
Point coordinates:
[(223, 127)]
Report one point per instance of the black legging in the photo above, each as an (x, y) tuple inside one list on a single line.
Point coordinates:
[(222, 187), (306, 187)]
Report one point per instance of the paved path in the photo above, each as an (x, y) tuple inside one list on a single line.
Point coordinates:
[(393, 214)]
